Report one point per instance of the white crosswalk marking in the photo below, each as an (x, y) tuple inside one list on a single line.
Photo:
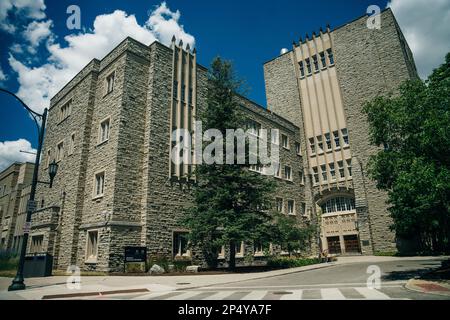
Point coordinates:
[(372, 294), (152, 295), (185, 295), (255, 295), (296, 295), (332, 294), (219, 295)]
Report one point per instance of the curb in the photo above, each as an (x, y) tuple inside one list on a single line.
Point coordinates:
[(412, 285)]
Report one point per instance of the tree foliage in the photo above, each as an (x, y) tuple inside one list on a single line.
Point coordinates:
[(414, 165)]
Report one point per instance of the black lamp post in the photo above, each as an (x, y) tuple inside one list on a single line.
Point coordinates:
[(18, 281)]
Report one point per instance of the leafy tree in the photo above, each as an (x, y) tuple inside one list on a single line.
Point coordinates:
[(414, 165), (230, 202)]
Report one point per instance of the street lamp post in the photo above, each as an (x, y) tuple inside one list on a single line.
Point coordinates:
[(18, 281)]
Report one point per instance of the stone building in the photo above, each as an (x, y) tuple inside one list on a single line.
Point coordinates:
[(15, 185), (110, 129)]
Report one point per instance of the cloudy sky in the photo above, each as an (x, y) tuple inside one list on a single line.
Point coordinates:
[(39, 53)]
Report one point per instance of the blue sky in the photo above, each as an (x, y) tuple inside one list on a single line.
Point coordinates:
[(246, 32)]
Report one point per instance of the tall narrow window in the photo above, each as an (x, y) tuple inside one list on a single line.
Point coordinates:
[(345, 136), (183, 93), (110, 82), (288, 173), (349, 167), (240, 249), (316, 174), (332, 171), (65, 110), (312, 145), (337, 141), (320, 143), (323, 60), (37, 244), (308, 66), (60, 151), (330, 56), (277, 169), (47, 163), (302, 177), (275, 136), (175, 89), (328, 141), (323, 168), (253, 127), (302, 69), (341, 169), (180, 244), (71, 144), (316, 63), (291, 207), (99, 187), (298, 148), (285, 141), (92, 246), (104, 130), (279, 204)]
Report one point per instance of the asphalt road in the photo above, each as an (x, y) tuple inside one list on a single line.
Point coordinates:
[(347, 279)]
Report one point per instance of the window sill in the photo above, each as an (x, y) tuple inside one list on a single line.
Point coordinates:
[(292, 214), (91, 261), (239, 256), (102, 143), (108, 93), (61, 121), (97, 197), (259, 254)]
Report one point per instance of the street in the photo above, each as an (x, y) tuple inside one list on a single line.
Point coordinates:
[(345, 279)]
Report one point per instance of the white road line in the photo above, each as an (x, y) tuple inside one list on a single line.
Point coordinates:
[(372, 294), (296, 295), (332, 294), (219, 295), (255, 295), (396, 283), (151, 295), (184, 295)]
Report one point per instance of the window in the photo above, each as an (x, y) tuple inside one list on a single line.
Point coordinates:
[(190, 96), (349, 167), (302, 69), (303, 206), (256, 168), (277, 170), (323, 169), (316, 63), (47, 160), (60, 151), (338, 204), (291, 207), (92, 246), (240, 249), (279, 204), (183, 93), (337, 141), (258, 249), (175, 89), (308, 66), (323, 60), (37, 244), (110, 82), (285, 141), (104, 131), (345, 136), (341, 169), (221, 253), (99, 187), (65, 110), (320, 143), (312, 145), (330, 56), (316, 174), (288, 173), (332, 171), (253, 127), (180, 244), (302, 177), (328, 141), (298, 148), (71, 144)]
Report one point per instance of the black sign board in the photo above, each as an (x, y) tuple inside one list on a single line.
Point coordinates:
[(135, 254)]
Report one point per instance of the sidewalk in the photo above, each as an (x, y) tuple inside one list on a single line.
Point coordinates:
[(37, 288), (441, 287)]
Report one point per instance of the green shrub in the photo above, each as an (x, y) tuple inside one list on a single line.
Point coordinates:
[(8, 260), (180, 265), (290, 262), (159, 260)]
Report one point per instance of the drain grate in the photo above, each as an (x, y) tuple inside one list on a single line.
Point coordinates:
[(282, 292)]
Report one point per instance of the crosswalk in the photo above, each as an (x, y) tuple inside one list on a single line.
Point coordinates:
[(347, 293)]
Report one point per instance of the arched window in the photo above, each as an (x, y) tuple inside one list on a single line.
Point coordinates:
[(338, 204)]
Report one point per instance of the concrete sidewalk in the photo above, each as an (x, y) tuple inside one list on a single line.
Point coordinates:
[(37, 288), (441, 287)]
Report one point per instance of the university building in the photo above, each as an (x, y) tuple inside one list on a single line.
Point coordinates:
[(110, 129)]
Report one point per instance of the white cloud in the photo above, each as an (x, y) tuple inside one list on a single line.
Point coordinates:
[(33, 9), (426, 26), (10, 152), (36, 32), (38, 84), (2, 75)]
